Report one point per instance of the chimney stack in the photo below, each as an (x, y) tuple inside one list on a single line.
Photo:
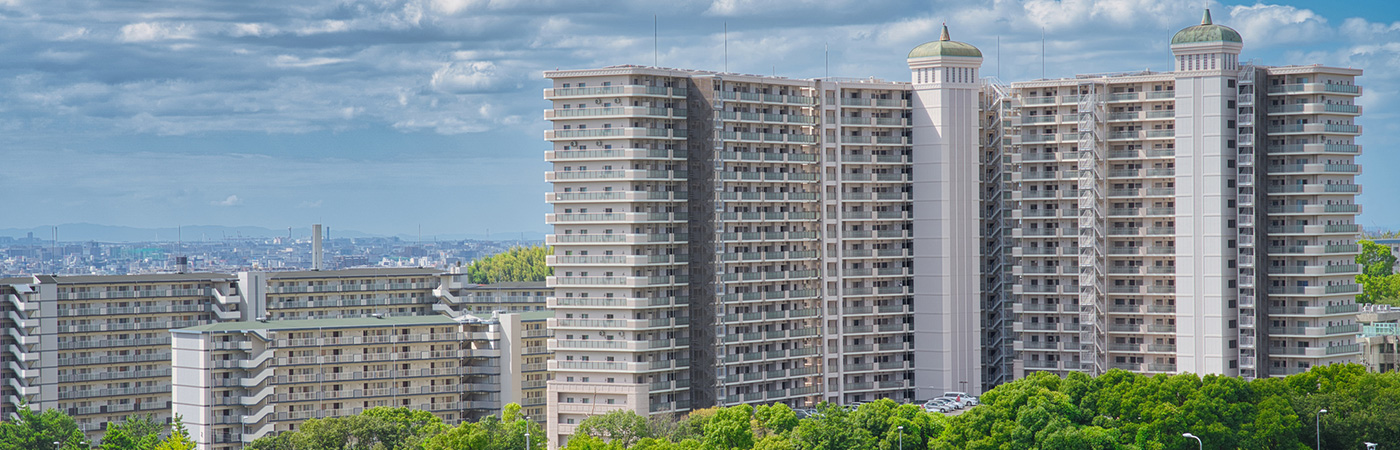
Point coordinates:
[(316, 247)]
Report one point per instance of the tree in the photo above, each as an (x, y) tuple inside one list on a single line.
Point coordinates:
[(1375, 259), (30, 430), (730, 429), (179, 438), (623, 427), (516, 264), (134, 433)]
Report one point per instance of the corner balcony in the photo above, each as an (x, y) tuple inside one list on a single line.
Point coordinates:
[(1338, 209), (1320, 331), (1316, 352), (1315, 128), (617, 239), (615, 218), (1339, 229), (1315, 189), (619, 282), (1315, 250), (1314, 108), (1315, 88), (1344, 149), (616, 175), (1314, 291), (614, 154), (1314, 169), (615, 112), (1313, 271), (630, 90), (615, 133), (1316, 311)]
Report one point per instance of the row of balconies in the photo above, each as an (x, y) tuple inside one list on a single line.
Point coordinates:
[(765, 296), (394, 356), (618, 366), (617, 239), (614, 154), (1314, 108), (1314, 148), (756, 137), (1314, 169), (616, 260), (616, 281), (616, 175), (616, 302), (876, 159), (797, 119), (1313, 189), (621, 345), (616, 133), (161, 309), (767, 336), (615, 112), (624, 218), (1314, 88), (613, 91), (557, 323)]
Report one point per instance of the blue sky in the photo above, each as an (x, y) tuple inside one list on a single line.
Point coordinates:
[(383, 115)]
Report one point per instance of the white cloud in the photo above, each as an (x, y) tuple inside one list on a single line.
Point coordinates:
[(1264, 25), (324, 26), (155, 31), (466, 76), (293, 61), (251, 29), (232, 200)]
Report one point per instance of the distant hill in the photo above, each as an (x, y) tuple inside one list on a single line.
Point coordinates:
[(72, 232)]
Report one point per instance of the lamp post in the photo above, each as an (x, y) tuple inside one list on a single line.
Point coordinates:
[(1199, 444), (527, 432), (1318, 428), (901, 437)]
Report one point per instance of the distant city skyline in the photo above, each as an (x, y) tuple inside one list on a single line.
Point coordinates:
[(384, 116)]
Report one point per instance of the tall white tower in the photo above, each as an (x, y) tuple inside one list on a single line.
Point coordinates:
[(1207, 68), (947, 290)]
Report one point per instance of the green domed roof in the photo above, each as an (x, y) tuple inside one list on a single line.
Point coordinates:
[(1206, 32), (945, 46)]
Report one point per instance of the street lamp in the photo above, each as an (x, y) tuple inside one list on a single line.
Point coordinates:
[(901, 437), (1199, 444), (1318, 428), (527, 431)]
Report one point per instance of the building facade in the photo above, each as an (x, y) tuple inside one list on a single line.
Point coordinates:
[(99, 348), (947, 233), (235, 382)]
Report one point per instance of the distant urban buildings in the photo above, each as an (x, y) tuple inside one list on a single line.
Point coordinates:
[(724, 238), (258, 352), (25, 256)]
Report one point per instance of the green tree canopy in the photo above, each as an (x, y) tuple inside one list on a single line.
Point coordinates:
[(516, 264), (1378, 283)]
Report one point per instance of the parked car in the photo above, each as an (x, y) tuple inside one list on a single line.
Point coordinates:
[(940, 405), (954, 401), (963, 397)]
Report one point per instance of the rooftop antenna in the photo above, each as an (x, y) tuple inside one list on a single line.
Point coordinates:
[(726, 47), (656, 40), (54, 252), (1042, 52), (826, 48), (998, 57)]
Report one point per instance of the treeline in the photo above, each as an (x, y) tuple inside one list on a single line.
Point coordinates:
[(408, 429), (1118, 410), (1379, 283), (54, 429), (516, 264)]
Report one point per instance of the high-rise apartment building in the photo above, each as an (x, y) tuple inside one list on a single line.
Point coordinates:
[(723, 238)]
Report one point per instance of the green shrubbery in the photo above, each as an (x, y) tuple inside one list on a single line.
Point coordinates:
[(1118, 410), (516, 264)]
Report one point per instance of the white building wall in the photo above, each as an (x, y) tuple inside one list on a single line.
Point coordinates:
[(947, 290), (1205, 215)]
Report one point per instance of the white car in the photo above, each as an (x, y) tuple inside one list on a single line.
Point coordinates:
[(941, 405), (953, 401), (962, 397)]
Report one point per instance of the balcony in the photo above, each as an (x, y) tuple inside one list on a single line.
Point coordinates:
[(615, 133), (1346, 149), (1314, 169), (617, 239), (1314, 108), (614, 91), (613, 154), (1314, 88), (1316, 128), (615, 112)]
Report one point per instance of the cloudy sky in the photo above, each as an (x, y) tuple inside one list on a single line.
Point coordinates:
[(384, 115)]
